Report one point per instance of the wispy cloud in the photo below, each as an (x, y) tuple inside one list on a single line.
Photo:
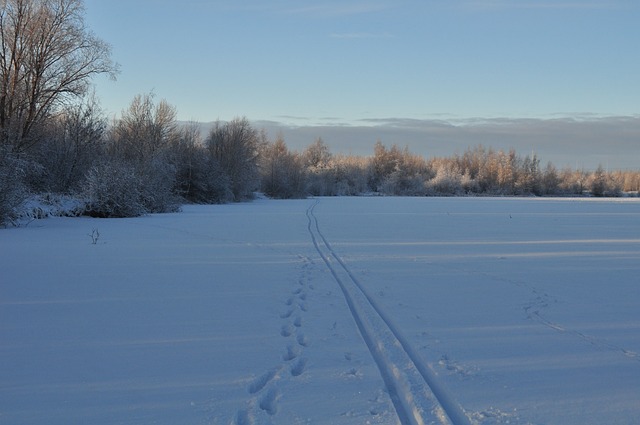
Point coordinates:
[(317, 9), (338, 9), (542, 4), (361, 35)]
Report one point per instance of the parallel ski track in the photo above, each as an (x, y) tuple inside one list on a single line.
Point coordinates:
[(401, 366)]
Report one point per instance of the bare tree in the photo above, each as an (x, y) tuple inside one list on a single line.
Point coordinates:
[(12, 191), (320, 168), (72, 144), (317, 156), (48, 58), (283, 173), (145, 130), (199, 176), (234, 145), (140, 143)]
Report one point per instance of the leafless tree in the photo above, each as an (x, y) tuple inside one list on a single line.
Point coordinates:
[(73, 143), (138, 145), (317, 156), (48, 58), (145, 129), (200, 178), (318, 162), (234, 145), (283, 173)]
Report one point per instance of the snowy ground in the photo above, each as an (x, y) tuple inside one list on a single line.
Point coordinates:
[(337, 310)]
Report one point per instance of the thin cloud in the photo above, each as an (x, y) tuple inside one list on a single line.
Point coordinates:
[(319, 9), (294, 117), (361, 35), (579, 142), (506, 4), (338, 9)]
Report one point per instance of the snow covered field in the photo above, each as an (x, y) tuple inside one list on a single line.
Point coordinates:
[(330, 310)]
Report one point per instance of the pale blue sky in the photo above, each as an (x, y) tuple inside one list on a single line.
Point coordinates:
[(351, 59), (335, 62)]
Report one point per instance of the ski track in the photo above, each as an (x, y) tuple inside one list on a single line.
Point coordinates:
[(264, 390), (417, 394)]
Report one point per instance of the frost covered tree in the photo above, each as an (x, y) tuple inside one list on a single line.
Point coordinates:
[(199, 176), (317, 155), (12, 190), (601, 183), (319, 166), (235, 145), (383, 164), (550, 180), (398, 172), (145, 130), (138, 145), (113, 189), (48, 59), (529, 177), (282, 171), (72, 144), (352, 175)]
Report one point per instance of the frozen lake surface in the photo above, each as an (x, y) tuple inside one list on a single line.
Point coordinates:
[(331, 310)]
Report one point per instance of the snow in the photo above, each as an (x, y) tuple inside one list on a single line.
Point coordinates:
[(522, 311)]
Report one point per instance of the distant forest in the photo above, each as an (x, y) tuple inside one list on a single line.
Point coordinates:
[(55, 141)]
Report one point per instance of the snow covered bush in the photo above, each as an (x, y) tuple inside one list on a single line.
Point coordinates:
[(117, 188), (282, 171), (12, 190), (113, 189), (446, 182), (320, 175), (351, 175), (45, 205), (398, 172), (235, 146), (72, 143), (601, 183), (200, 179), (199, 176), (157, 179)]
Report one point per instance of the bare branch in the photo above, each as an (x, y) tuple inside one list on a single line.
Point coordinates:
[(48, 58)]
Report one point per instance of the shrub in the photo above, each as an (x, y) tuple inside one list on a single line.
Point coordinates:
[(283, 173), (157, 179), (12, 190), (235, 145), (112, 189)]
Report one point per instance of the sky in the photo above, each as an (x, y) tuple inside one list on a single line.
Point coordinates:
[(338, 66)]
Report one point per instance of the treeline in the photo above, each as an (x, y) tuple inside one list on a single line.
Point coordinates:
[(478, 171), (56, 141), (145, 162)]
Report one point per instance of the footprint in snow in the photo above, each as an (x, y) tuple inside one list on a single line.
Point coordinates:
[(292, 353), (244, 418), (260, 382), (286, 331), (298, 367), (297, 322), (286, 314), (302, 340), (269, 402)]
